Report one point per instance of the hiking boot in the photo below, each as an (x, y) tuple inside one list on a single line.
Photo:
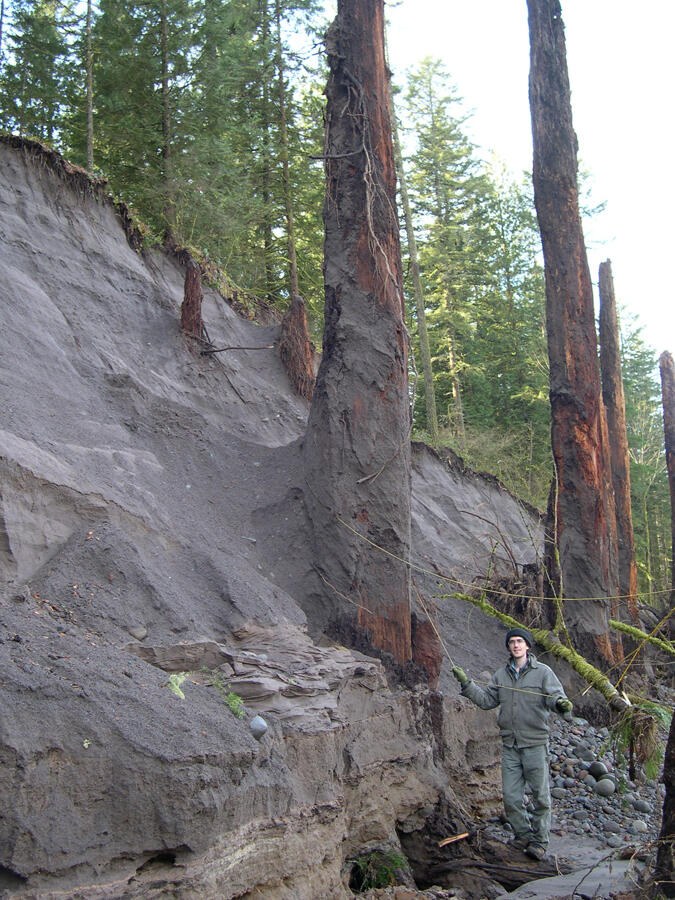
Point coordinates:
[(519, 843), (536, 851)]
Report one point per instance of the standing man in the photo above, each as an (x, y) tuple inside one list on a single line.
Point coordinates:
[(525, 691)]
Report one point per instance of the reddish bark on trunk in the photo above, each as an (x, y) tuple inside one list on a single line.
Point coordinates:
[(191, 308), (583, 534), (427, 650), (667, 370), (615, 638), (615, 406), (295, 348), (357, 446)]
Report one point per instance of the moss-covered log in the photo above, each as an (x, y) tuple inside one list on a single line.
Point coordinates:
[(643, 637), (551, 643)]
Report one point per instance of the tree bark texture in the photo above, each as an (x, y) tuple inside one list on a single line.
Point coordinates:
[(357, 444), (584, 542), (664, 872), (191, 308), (615, 407), (667, 370), (295, 348)]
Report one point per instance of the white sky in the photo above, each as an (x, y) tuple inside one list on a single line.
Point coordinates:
[(622, 74)]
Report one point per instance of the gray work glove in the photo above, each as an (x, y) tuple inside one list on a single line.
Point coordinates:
[(564, 707), (460, 675)]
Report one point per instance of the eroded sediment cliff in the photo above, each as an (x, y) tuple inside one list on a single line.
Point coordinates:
[(152, 523)]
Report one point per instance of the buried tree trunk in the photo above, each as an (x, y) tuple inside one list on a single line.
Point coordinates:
[(191, 308), (295, 348), (357, 445), (664, 873), (582, 511)]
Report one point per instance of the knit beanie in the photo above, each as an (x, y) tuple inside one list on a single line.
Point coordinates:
[(519, 632)]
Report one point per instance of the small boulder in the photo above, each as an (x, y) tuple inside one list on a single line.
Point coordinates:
[(597, 769), (584, 752), (140, 632), (258, 727), (605, 787), (641, 805)]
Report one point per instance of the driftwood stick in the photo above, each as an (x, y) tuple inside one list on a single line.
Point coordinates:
[(451, 840)]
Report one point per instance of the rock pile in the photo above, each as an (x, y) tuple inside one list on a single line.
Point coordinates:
[(592, 795), (591, 791), (597, 812)]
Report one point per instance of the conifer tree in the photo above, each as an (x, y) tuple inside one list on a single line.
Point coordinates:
[(649, 480), (506, 382), (444, 186), (35, 81), (141, 63), (419, 311)]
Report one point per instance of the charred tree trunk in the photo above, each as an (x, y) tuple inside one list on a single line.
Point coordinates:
[(582, 523), (191, 308), (668, 394), (295, 348), (616, 640), (664, 872), (357, 445), (615, 406)]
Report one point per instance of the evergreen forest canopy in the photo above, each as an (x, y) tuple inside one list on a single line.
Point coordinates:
[(206, 118)]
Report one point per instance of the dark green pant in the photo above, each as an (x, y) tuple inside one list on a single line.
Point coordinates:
[(520, 766)]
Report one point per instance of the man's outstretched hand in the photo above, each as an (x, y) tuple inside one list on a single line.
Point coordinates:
[(460, 675), (564, 707)]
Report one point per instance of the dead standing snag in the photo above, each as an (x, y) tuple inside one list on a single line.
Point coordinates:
[(667, 369), (583, 507), (359, 420), (191, 308), (615, 405)]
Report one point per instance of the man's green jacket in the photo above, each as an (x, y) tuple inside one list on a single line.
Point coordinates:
[(524, 702)]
